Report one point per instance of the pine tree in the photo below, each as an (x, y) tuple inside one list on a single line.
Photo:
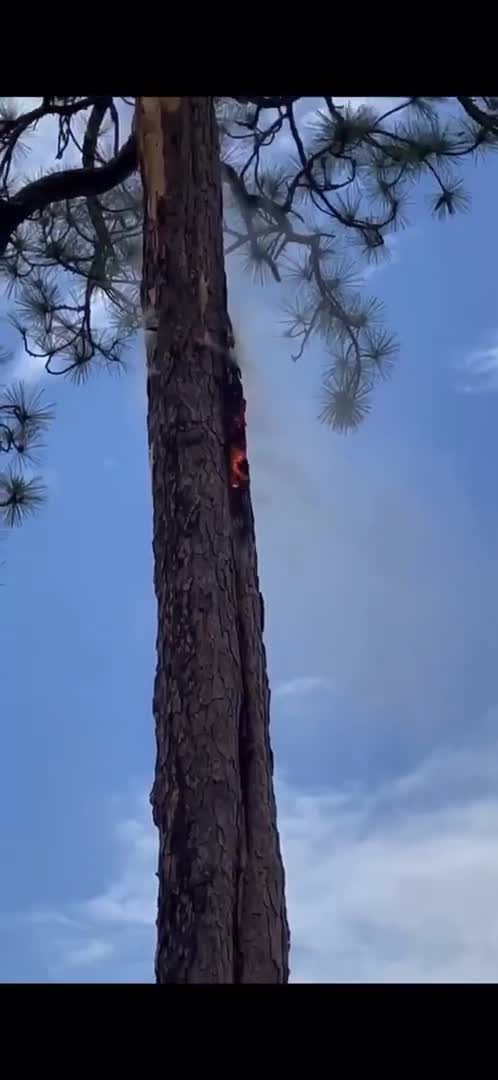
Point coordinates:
[(134, 236)]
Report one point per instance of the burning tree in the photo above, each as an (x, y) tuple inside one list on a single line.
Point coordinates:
[(134, 236)]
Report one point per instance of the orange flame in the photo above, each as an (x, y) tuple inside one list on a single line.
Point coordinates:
[(239, 469)]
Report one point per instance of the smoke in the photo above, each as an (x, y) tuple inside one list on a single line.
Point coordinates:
[(276, 469)]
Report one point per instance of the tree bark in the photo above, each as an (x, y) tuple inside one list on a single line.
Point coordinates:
[(221, 905)]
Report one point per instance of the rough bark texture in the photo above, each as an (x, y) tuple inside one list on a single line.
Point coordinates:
[(221, 907)]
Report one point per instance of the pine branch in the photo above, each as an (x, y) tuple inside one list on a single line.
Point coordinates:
[(288, 216), (66, 185), (267, 102), (489, 121)]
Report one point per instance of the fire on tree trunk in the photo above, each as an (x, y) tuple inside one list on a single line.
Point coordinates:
[(221, 907)]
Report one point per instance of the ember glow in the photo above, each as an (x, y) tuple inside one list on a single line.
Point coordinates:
[(239, 468), (235, 420)]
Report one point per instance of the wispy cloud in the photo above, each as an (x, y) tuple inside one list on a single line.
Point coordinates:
[(307, 110), (42, 141), (379, 104), (129, 900), (108, 936), (399, 884), (479, 370), (88, 954), (41, 149), (383, 890), (303, 684), (21, 365), (391, 255)]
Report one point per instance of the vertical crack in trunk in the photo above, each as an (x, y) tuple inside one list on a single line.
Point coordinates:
[(264, 937), (242, 849), (221, 911)]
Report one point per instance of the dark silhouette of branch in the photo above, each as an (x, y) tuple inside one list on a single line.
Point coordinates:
[(295, 194), (65, 185), (12, 128), (23, 419), (349, 174), (104, 246), (489, 121), (266, 102)]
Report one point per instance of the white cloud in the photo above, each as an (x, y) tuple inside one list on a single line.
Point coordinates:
[(399, 884), (303, 684), (41, 142), (129, 900), (30, 369), (307, 109), (41, 149), (40, 145), (90, 953), (390, 254), (52, 918), (397, 895), (480, 370), (381, 104), (108, 936)]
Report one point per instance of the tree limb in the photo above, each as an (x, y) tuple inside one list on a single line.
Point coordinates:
[(489, 121), (267, 102), (68, 184)]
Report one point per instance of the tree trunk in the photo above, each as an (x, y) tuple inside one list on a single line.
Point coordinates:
[(221, 907)]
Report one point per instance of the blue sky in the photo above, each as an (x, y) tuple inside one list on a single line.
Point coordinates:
[(379, 569)]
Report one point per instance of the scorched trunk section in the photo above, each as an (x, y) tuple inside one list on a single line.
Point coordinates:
[(221, 907)]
